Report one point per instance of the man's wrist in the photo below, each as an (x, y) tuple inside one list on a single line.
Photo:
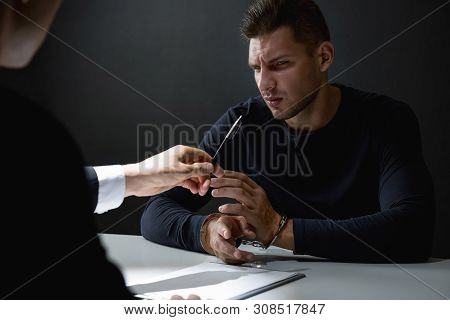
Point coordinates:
[(279, 228), (273, 230), (131, 171), (286, 237), (266, 243), (204, 232)]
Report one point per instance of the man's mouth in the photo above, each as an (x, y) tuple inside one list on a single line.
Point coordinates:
[(273, 102)]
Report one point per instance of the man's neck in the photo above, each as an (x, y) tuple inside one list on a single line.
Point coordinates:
[(320, 112)]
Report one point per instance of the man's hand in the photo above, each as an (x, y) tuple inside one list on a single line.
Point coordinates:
[(220, 237), (178, 166), (253, 203)]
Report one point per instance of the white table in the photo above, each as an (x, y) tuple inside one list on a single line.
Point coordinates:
[(141, 260)]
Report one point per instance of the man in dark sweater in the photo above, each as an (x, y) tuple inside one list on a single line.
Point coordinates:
[(318, 168)]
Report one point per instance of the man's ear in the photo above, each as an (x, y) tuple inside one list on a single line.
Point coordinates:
[(326, 55)]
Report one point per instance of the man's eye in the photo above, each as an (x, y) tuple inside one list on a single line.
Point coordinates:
[(280, 63)]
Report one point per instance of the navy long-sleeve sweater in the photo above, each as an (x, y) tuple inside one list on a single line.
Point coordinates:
[(357, 189)]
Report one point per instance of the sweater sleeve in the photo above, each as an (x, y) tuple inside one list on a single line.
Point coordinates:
[(402, 229)]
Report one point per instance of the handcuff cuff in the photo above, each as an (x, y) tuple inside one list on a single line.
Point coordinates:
[(259, 244)]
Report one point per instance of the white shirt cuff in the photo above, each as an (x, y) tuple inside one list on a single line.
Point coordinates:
[(111, 187)]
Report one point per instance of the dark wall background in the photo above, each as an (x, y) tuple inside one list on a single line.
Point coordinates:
[(189, 58)]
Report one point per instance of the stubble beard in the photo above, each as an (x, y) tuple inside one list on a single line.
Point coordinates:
[(295, 109)]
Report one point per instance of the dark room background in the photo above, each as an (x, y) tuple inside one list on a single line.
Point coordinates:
[(188, 57)]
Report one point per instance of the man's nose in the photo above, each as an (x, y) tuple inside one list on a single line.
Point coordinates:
[(266, 81)]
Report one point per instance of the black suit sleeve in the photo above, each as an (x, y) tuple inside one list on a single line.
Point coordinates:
[(50, 247), (93, 185)]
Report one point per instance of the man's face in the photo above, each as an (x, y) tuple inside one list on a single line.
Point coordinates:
[(20, 38), (285, 73)]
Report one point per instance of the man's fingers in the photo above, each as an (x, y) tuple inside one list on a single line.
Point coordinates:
[(218, 171), (224, 229), (243, 255), (190, 155), (238, 194), (204, 187), (249, 234), (246, 228), (243, 217), (199, 169), (191, 185), (240, 176), (225, 232), (199, 162), (201, 172), (230, 252), (195, 186), (234, 208), (224, 247), (230, 182)]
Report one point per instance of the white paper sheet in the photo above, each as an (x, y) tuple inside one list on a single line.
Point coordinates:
[(212, 280)]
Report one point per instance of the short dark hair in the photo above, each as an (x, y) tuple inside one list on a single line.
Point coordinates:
[(303, 17)]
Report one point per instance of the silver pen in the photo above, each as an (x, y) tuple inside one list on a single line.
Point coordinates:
[(230, 135)]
